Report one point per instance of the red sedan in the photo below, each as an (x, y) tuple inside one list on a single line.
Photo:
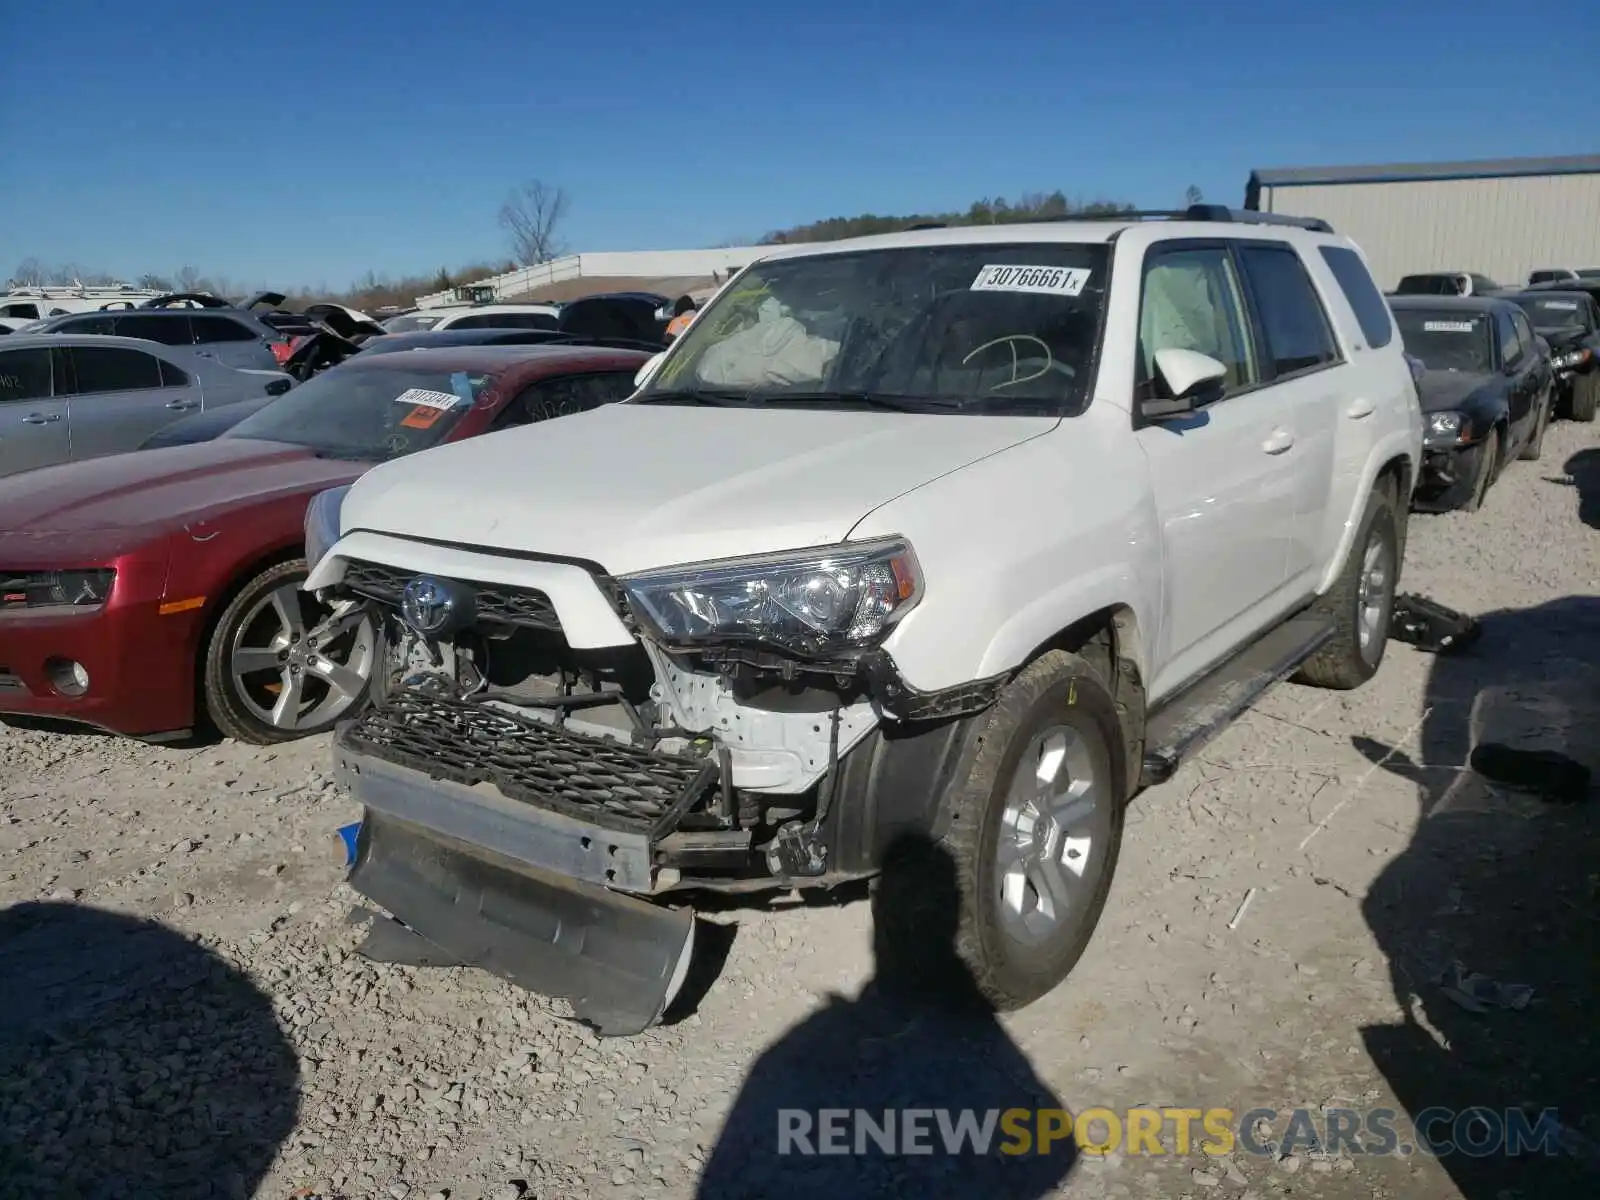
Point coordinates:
[(158, 592)]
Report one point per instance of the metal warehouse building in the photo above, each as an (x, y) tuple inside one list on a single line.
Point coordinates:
[(1500, 217)]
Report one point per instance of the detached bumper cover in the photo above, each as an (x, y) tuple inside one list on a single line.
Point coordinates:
[(507, 844), (617, 960)]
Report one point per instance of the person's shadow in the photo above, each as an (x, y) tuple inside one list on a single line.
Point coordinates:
[(919, 1036), (1583, 468), (1499, 892), (134, 1064)]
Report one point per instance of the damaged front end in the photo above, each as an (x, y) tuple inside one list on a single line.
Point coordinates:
[(547, 764)]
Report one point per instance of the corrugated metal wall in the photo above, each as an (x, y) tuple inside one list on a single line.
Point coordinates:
[(1503, 228)]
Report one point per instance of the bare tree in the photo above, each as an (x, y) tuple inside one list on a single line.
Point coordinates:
[(30, 272), (188, 279), (531, 216), (1191, 195), (159, 283)]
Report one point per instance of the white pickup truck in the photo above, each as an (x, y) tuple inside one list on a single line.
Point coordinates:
[(953, 537)]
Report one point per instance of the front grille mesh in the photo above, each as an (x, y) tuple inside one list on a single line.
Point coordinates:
[(497, 603), (591, 779)]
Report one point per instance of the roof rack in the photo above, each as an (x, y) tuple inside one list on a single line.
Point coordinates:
[(1203, 212)]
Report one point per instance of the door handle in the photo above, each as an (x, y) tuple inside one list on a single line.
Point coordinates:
[(1278, 441), (41, 418), (1361, 408), (180, 404)]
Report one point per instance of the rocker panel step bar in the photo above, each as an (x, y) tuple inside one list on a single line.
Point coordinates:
[(1206, 707)]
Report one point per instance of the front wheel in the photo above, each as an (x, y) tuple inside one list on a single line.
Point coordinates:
[(1585, 396), (1360, 602), (1535, 446), (1035, 830), (281, 666)]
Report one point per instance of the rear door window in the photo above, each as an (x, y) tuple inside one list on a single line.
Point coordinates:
[(113, 369), (1366, 301), (21, 312), (25, 374), (208, 330), (169, 331), (1297, 332)]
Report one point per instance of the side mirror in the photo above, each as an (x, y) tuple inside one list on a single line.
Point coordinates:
[(650, 365), (1188, 378)]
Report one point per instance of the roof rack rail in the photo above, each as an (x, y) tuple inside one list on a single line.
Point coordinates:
[(1221, 212), (1203, 212)]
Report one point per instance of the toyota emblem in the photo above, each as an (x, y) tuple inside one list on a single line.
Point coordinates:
[(427, 605)]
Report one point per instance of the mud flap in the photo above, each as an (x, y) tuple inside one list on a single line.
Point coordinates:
[(619, 961)]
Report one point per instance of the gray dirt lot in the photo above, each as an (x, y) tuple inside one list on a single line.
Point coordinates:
[(182, 1015)]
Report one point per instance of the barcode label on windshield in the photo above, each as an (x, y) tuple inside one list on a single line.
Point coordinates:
[(1046, 281), (1448, 326), (427, 399)]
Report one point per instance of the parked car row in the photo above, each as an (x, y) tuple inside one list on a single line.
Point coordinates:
[(925, 548), (1497, 369)]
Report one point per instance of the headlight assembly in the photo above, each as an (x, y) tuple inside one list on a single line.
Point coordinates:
[(55, 589), (1573, 358), (322, 522), (1446, 427), (816, 603)]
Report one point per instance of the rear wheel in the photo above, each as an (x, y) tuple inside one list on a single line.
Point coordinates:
[(1034, 835), (280, 666), (1360, 602)]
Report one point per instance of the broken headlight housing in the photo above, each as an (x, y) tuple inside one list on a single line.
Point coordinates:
[(1444, 428), (55, 589), (818, 603), (322, 523)]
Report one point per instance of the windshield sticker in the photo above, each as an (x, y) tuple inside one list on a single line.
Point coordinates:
[(422, 397), (1449, 326), (1561, 305), (1045, 281), (423, 416)]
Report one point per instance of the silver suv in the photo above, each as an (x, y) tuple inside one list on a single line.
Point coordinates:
[(232, 337)]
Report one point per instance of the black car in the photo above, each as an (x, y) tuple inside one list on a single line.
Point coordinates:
[(1486, 392), (1447, 283), (1569, 319)]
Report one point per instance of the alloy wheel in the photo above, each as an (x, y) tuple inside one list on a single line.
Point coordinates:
[(296, 664)]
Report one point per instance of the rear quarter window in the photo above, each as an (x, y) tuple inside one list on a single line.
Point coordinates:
[(1366, 301)]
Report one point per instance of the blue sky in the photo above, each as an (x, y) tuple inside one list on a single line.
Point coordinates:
[(299, 144)]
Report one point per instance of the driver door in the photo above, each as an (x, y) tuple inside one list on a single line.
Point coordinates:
[(1223, 475)]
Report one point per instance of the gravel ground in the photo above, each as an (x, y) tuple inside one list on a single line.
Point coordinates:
[(184, 1015)]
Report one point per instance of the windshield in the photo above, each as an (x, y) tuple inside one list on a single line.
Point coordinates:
[(412, 322), (1447, 341), (1555, 313), (973, 328), (367, 414)]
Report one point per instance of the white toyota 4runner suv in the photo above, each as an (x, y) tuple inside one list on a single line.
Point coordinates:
[(953, 535)]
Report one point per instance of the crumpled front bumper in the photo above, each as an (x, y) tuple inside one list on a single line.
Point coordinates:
[(479, 880)]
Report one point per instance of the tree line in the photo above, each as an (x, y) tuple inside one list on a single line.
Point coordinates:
[(1037, 206)]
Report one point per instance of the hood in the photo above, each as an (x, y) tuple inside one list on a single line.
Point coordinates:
[(1445, 391), (125, 498), (634, 486)]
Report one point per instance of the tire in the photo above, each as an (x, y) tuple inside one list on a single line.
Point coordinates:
[(1012, 953), (1359, 598), (1535, 446), (1488, 468), (253, 657), (1585, 397)]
